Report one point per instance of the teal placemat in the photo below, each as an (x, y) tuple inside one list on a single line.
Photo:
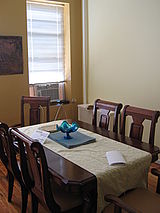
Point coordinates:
[(77, 139)]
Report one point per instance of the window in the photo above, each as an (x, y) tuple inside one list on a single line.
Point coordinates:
[(46, 41)]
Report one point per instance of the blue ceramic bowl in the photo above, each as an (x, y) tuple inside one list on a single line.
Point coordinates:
[(67, 128)]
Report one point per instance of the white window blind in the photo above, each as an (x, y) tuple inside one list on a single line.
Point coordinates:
[(45, 29)]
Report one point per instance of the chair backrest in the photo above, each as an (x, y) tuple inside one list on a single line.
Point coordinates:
[(105, 107), (34, 169), (139, 115), (4, 152), (8, 152), (35, 103)]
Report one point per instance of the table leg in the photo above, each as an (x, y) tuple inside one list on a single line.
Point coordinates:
[(90, 197)]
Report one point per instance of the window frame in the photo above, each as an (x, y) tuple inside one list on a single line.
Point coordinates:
[(67, 47)]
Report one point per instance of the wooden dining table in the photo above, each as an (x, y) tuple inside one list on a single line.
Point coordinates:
[(73, 177), (154, 150)]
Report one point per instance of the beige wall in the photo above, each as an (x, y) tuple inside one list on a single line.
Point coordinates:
[(12, 87), (124, 52)]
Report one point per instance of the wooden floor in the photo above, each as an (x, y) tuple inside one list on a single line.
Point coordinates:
[(15, 205)]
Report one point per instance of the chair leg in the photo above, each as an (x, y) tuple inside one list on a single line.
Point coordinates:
[(117, 209), (10, 185), (34, 203), (24, 194)]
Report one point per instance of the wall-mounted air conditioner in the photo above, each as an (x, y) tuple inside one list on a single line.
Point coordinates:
[(55, 90)]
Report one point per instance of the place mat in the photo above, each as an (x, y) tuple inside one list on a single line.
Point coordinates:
[(49, 128), (77, 139)]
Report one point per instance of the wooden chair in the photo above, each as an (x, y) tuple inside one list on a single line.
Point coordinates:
[(105, 108), (136, 200), (35, 105), (8, 158), (139, 115), (36, 176)]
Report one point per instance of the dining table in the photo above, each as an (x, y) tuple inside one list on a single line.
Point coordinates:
[(85, 169)]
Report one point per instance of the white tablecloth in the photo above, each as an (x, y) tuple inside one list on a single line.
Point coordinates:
[(110, 179)]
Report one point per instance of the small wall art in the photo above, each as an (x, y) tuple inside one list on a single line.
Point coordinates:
[(11, 57)]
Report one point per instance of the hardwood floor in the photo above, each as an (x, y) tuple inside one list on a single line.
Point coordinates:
[(15, 205)]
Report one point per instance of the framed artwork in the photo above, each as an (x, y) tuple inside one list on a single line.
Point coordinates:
[(11, 58)]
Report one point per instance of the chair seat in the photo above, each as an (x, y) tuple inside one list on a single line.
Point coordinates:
[(66, 200), (142, 200)]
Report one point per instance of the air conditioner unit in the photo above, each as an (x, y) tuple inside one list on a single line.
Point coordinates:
[(55, 90)]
